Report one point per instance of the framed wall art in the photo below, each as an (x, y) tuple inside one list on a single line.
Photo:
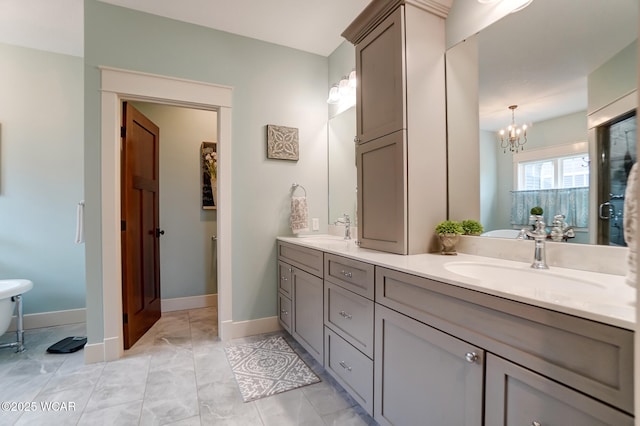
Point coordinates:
[(209, 174), (282, 142)]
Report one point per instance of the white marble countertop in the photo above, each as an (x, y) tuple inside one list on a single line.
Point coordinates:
[(596, 296)]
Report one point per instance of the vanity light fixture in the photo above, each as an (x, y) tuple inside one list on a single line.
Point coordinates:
[(344, 92), (514, 137), (352, 79), (524, 3), (517, 5), (334, 95), (343, 86)]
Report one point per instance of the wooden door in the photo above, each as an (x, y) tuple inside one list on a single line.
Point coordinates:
[(424, 376), (140, 225)]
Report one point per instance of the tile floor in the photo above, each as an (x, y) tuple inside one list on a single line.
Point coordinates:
[(177, 374)]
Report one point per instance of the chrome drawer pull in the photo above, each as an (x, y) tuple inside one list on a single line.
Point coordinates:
[(343, 314), (283, 312), (534, 423), (346, 274), (284, 278), (344, 365)]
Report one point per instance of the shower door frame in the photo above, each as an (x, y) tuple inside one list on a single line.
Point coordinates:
[(624, 105)]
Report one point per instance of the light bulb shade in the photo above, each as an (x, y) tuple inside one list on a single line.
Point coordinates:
[(521, 4), (334, 95), (343, 87), (352, 79)]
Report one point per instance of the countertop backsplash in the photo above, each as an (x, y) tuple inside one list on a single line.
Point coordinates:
[(584, 257)]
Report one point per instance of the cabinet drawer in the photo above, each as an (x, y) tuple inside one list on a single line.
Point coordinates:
[(516, 396), (349, 315), (352, 369), (284, 278), (307, 259), (351, 274), (284, 311), (551, 343)]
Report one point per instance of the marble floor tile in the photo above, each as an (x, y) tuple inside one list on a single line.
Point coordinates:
[(176, 374), (169, 396), (288, 408), (117, 415)]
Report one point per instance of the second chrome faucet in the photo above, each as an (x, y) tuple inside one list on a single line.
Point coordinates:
[(539, 235), (346, 221)]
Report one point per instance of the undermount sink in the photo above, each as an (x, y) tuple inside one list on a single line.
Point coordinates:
[(553, 284)]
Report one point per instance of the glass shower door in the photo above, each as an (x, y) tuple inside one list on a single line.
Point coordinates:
[(617, 146)]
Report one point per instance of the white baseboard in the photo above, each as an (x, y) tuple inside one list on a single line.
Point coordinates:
[(192, 302), (235, 330), (93, 352), (50, 319)]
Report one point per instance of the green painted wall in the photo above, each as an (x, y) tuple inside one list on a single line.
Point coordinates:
[(41, 168), (272, 85)]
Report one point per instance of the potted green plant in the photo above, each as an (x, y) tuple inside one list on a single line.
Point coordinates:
[(449, 232), (536, 211), (472, 227)]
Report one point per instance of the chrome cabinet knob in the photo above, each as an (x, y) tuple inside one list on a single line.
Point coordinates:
[(471, 357), (534, 423), (284, 278), (283, 312)]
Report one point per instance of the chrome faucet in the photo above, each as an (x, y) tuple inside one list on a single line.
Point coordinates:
[(539, 234), (346, 221), (560, 231)]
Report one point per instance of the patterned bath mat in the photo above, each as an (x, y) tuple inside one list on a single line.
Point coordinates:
[(268, 367)]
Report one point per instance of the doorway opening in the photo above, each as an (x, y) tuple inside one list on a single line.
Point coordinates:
[(123, 85), (181, 244)]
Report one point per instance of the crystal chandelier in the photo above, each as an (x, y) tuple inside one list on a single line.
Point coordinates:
[(514, 136)]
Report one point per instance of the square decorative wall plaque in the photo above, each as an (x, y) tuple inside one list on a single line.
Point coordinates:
[(282, 142)]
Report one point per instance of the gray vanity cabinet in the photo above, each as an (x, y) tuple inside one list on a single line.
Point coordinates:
[(381, 193), (516, 396), (400, 110), (300, 296), (380, 92), (306, 324), (348, 320), (424, 376)]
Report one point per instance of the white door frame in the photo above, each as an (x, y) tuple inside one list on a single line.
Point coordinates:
[(117, 86)]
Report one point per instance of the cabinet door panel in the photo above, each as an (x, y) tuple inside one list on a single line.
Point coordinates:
[(307, 325), (381, 90), (517, 396), (422, 376), (381, 194)]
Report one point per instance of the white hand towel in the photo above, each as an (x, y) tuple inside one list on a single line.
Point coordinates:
[(80, 223), (299, 219), (630, 223)]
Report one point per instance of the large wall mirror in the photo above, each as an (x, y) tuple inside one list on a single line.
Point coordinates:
[(342, 165), (570, 66)]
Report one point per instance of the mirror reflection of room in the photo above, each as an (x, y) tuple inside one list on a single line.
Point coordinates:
[(556, 79)]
